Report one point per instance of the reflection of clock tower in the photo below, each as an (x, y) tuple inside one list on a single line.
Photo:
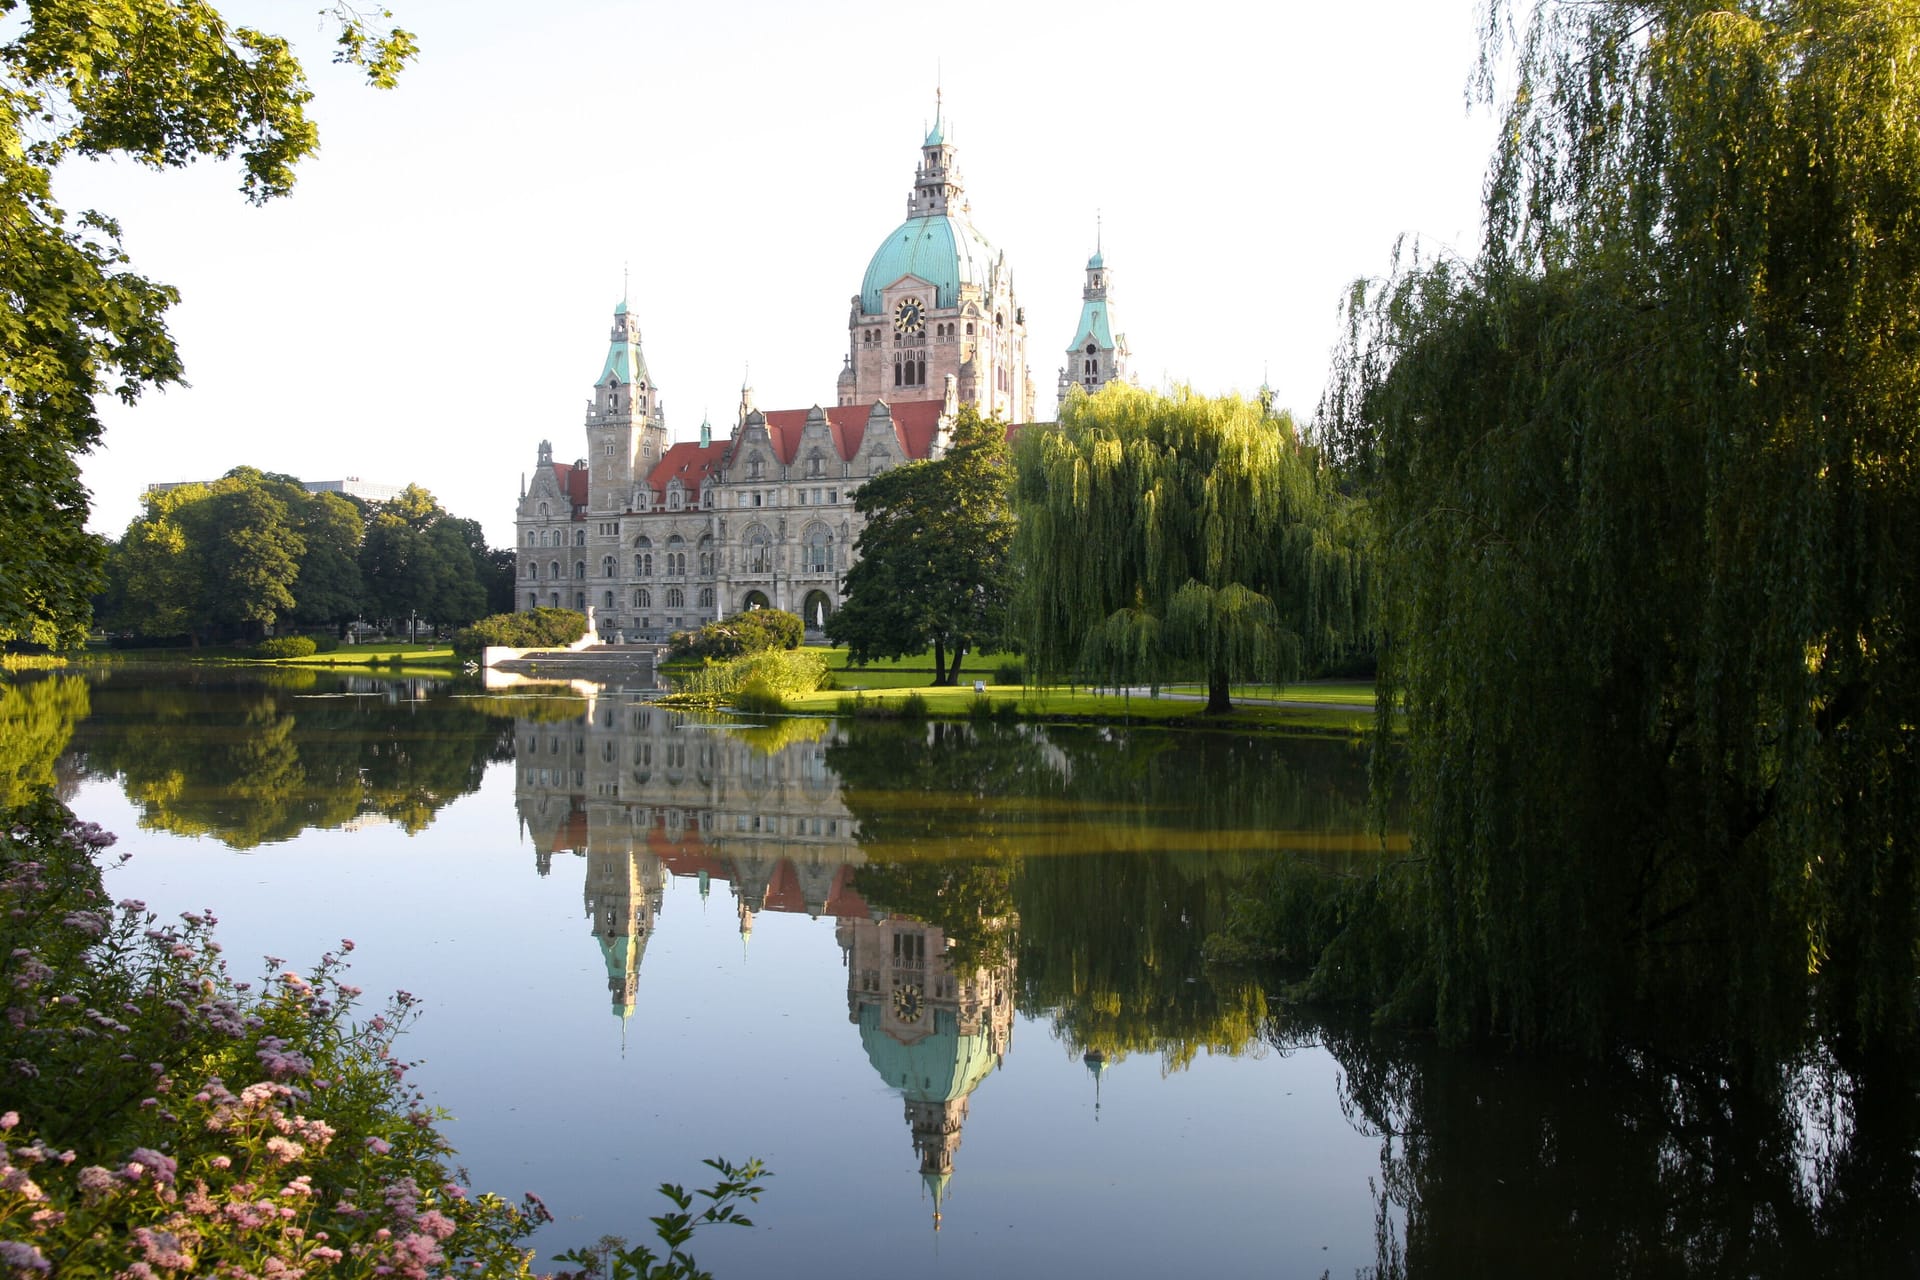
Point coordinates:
[(930, 1032), (937, 306)]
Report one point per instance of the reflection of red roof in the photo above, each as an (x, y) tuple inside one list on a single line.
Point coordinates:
[(571, 836), (914, 425), (573, 482), (693, 464)]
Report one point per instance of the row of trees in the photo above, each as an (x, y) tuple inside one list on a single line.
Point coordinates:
[(251, 551)]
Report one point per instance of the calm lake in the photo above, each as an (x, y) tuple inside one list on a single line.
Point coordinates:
[(948, 981)]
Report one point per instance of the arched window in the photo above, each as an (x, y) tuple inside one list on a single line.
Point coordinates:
[(816, 462), (606, 599), (754, 465), (580, 601), (579, 537), (554, 597), (819, 549), (553, 571), (643, 599), (676, 556), (529, 537), (579, 569), (543, 511), (706, 555), (533, 599), (676, 598), (606, 568), (706, 597), (643, 565), (676, 496), (759, 551)]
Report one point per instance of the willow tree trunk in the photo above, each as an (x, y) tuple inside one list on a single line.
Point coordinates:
[(1218, 701)]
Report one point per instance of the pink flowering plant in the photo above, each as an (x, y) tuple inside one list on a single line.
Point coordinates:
[(162, 1119)]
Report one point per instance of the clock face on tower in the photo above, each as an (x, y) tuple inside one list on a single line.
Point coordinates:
[(908, 317), (906, 1002)]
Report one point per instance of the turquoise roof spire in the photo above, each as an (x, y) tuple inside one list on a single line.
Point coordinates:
[(624, 358), (936, 135)]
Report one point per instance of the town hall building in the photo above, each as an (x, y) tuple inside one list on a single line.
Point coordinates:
[(650, 537)]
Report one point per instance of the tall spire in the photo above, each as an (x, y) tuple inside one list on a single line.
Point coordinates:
[(936, 182)]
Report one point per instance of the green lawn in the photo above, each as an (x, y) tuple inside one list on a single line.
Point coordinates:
[(1083, 704), (380, 653), (1338, 692)]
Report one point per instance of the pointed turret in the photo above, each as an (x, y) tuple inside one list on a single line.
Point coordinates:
[(626, 421), (936, 183), (1097, 354)]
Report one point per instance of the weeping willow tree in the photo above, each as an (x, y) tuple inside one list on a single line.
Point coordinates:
[(1645, 480), (1171, 536)]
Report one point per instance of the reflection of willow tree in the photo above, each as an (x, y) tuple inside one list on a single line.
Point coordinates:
[(247, 763), (1112, 951), (36, 719), (1640, 1165), (1118, 854)]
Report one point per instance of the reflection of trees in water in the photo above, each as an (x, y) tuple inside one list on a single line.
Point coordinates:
[(37, 716), (1634, 1165), (1119, 855), (248, 762)]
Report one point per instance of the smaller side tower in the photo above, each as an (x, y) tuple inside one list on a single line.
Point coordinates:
[(626, 419), (1097, 354)]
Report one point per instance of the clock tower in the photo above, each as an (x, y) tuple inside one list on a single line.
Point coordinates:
[(937, 305)]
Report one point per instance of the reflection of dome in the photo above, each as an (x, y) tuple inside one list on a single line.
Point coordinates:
[(942, 249), (938, 1067)]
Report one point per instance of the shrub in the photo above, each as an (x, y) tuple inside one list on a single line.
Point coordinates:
[(756, 697), (533, 629), (783, 673), (913, 706), (1010, 673), (325, 644), (162, 1116), (754, 631), (286, 647)]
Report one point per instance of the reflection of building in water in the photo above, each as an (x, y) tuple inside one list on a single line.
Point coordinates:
[(930, 1032), (632, 789), (641, 794)]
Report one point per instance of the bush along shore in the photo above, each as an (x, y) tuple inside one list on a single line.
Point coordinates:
[(162, 1118)]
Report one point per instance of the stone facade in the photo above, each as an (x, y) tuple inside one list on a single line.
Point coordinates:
[(651, 537)]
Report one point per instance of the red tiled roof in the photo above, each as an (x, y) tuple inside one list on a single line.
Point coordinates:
[(573, 482), (915, 424), (692, 463)]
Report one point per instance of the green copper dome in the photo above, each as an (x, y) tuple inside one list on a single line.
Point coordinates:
[(940, 1067), (939, 248)]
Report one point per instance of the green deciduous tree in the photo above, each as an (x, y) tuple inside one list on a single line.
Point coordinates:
[(417, 561), (1646, 482), (329, 591), (1176, 535), (933, 567), (160, 82)]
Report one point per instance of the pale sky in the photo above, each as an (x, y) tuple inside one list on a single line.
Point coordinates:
[(433, 299)]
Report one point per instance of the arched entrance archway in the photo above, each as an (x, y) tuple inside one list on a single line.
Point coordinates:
[(816, 610), (756, 600)]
